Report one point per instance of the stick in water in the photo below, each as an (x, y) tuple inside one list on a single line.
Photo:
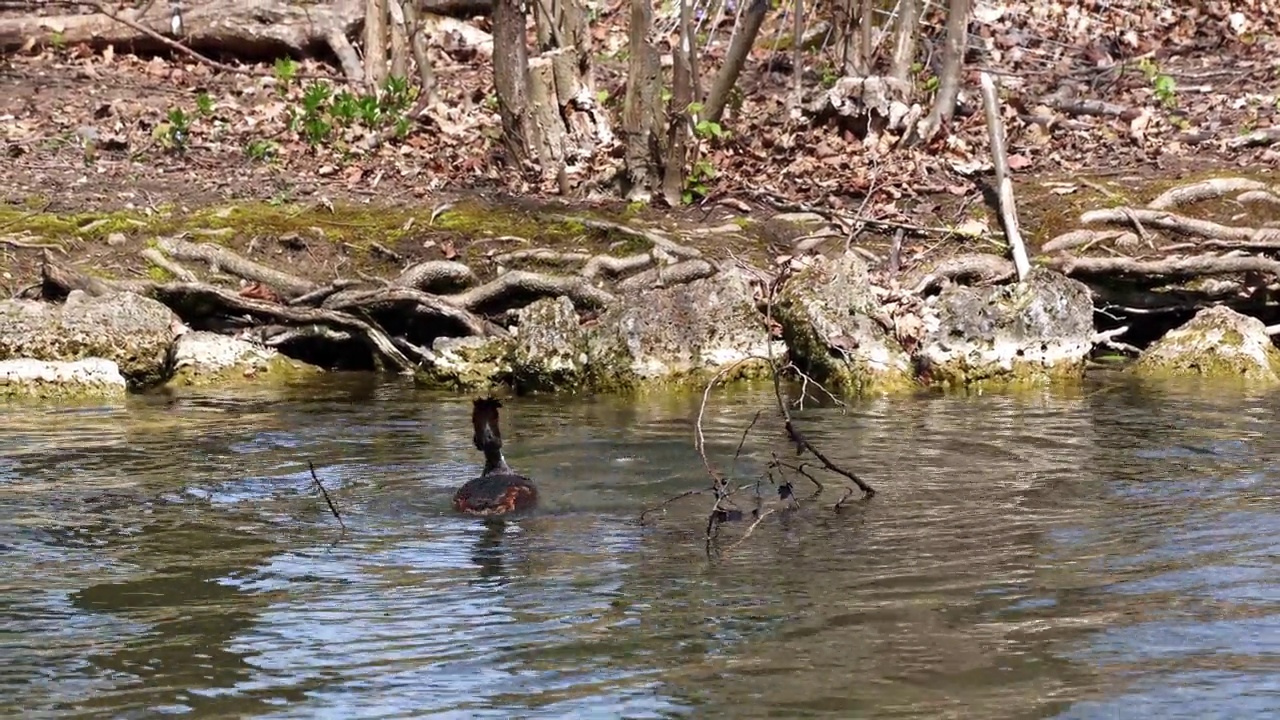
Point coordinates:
[(333, 508)]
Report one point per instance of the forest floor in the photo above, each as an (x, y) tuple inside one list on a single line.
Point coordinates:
[(1113, 103)]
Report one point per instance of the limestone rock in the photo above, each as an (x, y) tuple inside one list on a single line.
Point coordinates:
[(468, 363), (680, 333), (205, 358), (549, 353), (827, 316), (1030, 332), (1217, 343), (134, 332), (43, 379)]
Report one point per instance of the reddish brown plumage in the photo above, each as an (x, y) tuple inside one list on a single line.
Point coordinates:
[(496, 495)]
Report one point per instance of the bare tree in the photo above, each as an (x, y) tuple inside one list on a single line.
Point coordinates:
[(904, 40), (510, 78), (944, 105), (642, 114)]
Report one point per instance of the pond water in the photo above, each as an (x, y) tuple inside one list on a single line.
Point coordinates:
[(1104, 553)]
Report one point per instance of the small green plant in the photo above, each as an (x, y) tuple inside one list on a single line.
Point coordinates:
[(261, 150), (204, 104), (695, 186), (177, 131), (344, 108), (286, 70), (1162, 86)]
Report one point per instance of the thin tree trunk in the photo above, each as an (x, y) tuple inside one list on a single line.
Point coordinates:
[(681, 99), (375, 43), (904, 40), (418, 41), (734, 60), (642, 106), (944, 106), (510, 63), (399, 40)]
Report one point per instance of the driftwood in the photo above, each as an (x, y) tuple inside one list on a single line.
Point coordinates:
[(247, 29)]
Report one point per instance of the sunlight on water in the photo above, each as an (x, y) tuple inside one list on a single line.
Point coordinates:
[(1104, 554)]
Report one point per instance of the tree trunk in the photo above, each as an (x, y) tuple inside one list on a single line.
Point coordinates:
[(246, 29), (735, 59), (572, 124), (642, 106), (682, 94), (944, 106), (375, 43), (510, 79), (904, 40)]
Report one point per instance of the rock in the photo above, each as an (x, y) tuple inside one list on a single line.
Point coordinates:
[(1217, 343), (668, 335), (826, 312), (680, 334), (1030, 332), (205, 358), (468, 363), (549, 352), (42, 379), (134, 332)]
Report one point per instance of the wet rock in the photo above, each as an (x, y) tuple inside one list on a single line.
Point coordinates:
[(549, 351), (680, 334), (658, 336), (469, 363), (1030, 332), (134, 332), (1217, 343), (827, 316), (43, 379), (205, 358)]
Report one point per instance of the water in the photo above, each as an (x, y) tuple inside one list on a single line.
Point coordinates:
[(1101, 554)]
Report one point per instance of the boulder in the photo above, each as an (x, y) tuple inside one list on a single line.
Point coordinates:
[(827, 316), (1217, 343), (205, 358), (666, 335), (1021, 333), (679, 334), (134, 332), (43, 379)]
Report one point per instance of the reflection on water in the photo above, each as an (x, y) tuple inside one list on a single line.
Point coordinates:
[(1102, 554)]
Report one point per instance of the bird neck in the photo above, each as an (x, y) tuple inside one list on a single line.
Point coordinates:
[(494, 462)]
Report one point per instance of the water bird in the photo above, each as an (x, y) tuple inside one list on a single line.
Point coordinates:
[(499, 490)]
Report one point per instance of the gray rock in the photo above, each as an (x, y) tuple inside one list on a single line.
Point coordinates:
[(1020, 333), (205, 358), (134, 332), (1217, 343), (680, 334), (827, 316), (666, 335), (42, 379)]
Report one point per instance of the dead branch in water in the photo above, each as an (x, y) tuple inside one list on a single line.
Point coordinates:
[(332, 508), (723, 508)]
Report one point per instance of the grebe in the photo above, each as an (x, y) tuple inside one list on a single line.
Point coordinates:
[(498, 490)]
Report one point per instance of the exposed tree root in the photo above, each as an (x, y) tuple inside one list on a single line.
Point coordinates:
[(220, 258), (1079, 238), (437, 276), (1203, 190), (1168, 268), (668, 276), (201, 300), (1179, 224), (976, 269), (410, 302), (592, 265), (506, 290), (657, 238)]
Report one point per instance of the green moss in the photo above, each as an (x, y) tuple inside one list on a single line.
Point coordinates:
[(277, 371)]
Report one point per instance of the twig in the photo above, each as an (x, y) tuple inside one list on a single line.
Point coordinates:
[(1004, 184), (751, 529), (333, 508)]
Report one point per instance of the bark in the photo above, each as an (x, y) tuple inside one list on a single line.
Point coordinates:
[(246, 29), (904, 40), (682, 94), (375, 43), (642, 106), (944, 106), (510, 78), (734, 60)]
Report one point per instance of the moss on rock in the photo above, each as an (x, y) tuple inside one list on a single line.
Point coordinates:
[(1217, 343)]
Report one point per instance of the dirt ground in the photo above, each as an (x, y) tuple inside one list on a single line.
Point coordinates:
[(86, 132)]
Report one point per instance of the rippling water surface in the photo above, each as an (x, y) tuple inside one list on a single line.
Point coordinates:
[(1107, 553)]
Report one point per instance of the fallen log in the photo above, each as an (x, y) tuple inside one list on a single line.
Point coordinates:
[(1169, 268), (245, 29)]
